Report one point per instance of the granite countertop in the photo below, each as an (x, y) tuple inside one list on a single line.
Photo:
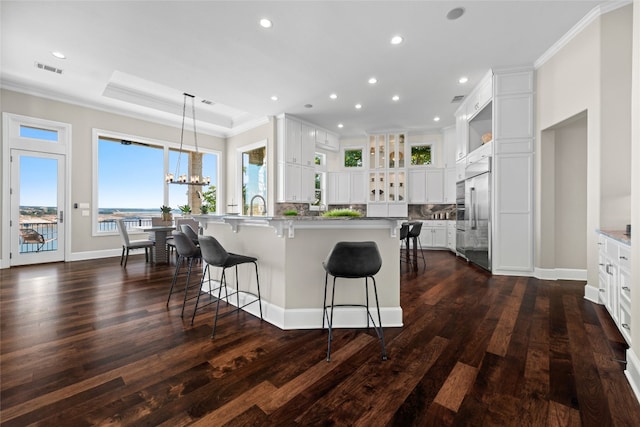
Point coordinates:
[(618, 235)]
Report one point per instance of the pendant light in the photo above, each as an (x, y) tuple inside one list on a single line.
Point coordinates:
[(183, 179)]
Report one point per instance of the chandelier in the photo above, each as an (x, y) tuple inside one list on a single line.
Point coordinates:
[(170, 178)]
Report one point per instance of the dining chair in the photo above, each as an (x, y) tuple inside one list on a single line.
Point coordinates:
[(128, 244)]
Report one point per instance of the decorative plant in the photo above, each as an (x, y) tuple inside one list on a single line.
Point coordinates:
[(204, 209), (209, 199), (166, 213), (185, 209), (290, 213), (342, 212)]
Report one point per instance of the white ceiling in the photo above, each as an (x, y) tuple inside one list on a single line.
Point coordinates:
[(139, 57)]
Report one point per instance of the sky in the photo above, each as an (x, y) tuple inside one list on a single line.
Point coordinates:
[(129, 176)]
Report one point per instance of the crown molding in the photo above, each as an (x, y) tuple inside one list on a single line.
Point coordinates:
[(203, 127), (594, 14)]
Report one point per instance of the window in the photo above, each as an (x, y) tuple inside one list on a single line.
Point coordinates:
[(319, 200), (38, 133), (130, 184), (254, 181), (421, 155), (353, 158)]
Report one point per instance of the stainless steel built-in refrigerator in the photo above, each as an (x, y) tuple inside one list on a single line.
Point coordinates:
[(477, 201)]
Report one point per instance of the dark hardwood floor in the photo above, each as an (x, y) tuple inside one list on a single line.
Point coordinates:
[(90, 343)]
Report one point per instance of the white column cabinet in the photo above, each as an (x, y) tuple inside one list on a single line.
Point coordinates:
[(358, 188), (502, 106)]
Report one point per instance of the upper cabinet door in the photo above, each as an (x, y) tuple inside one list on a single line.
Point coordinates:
[(308, 145), (292, 147)]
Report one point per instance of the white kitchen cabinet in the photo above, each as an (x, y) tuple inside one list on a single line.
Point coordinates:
[(295, 153), (434, 234), (358, 194), (417, 185), (460, 169), (307, 145), (426, 185), (449, 142), (387, 175), (326, 140), (451, 236), (435, 185), (461, 134), (615, 287), (296, 183), (450, 179), (338, 187)]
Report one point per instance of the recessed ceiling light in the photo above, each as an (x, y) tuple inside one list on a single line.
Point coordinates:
[(396, 39), (462, 80), (333, 96), (274, 98), (436, 119), (58, 54), (358, 106), (340, 125), (395, 98), (265, 23), (373, 81), (455, 13)]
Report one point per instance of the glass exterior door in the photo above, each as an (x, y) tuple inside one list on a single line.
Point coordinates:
[(37, 207)]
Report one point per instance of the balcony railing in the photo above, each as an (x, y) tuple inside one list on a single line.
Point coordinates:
[(43, 236)]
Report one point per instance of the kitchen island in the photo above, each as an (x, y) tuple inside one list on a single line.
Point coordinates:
[(290, 251)]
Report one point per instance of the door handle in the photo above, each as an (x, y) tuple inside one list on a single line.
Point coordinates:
[(61, 217), (474, 208)]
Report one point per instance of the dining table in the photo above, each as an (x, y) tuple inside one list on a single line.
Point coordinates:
[(160, 232)]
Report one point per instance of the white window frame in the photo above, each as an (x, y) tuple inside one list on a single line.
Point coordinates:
[(430, 144), (343, 152), (166, 146)]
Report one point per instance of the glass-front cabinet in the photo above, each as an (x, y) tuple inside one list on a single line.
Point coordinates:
[(387, 172)]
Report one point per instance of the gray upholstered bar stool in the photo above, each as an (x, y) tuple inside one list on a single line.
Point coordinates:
[(190, 233), (414, 233), (187, 252), (215, 255), (352, 260)]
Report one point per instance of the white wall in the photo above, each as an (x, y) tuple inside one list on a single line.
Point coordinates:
[(83, 120), (571, 82)]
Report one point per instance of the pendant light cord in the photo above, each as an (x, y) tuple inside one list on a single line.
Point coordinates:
[(195, 133)]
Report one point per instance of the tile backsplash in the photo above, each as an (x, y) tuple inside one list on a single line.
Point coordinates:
[(432, 211)]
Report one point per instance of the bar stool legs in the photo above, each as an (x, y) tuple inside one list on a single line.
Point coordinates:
[(352, 260)]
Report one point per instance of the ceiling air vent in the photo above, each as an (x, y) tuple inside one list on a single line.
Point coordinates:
[(457, 98), (48, 68), (206, 101)]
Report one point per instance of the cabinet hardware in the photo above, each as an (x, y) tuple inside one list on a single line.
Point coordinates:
[(600, 264), (623, 257), (626, 288), (601, 290), (626, 326)]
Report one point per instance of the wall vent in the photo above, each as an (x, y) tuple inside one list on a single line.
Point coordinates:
[(457, 98), (46, 67)]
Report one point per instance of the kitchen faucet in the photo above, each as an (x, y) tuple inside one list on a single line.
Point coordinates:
[(264, 203)]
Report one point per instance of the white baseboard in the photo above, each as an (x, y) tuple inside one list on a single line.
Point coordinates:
[(311, 318), (592, 293), (82, 256), (633, 372), (560, 274)]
